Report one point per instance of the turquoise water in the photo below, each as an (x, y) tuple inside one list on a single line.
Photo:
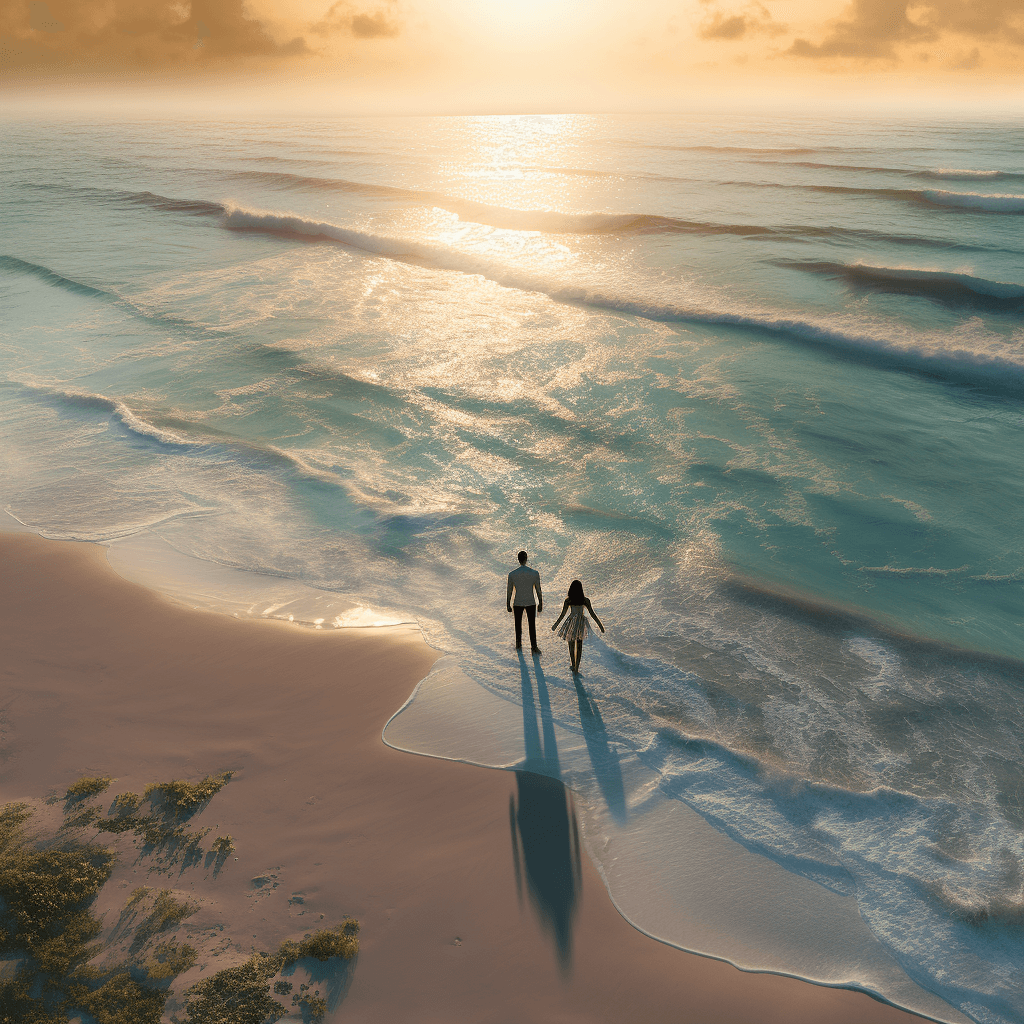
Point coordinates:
[(759, 385)]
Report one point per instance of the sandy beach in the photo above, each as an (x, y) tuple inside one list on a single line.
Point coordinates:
[(102, 677)]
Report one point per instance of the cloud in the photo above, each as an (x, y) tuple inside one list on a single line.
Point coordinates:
[(141, 34), (721, 27), (755, 18), (968, 62), (41, 19), (341, 18), (873, 29), (374, 26)]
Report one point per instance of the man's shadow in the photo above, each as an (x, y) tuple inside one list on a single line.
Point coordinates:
[(542, 820)]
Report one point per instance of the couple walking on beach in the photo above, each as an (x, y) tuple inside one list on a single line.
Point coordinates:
[(524, 582)]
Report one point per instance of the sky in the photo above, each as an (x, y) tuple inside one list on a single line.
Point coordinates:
[(479, 56)]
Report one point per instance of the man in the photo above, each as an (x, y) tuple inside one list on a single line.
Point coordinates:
[(524, 581)]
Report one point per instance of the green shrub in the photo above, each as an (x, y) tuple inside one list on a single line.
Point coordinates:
[(87, 786), (126, 803), (138, 895), (46, 895), (43, 888), (184, 798), (341, 941), (46, 922), (237, 995), (18, 1007), (157, 833), (166, 912), (223, 845), (12, 822), (120, 1001), (316, 1007), (126, 823), (58, 954), (169, 960)]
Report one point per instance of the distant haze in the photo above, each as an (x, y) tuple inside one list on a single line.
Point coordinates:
[(468, 56)]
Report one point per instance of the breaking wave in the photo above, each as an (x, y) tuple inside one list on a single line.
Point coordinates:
[(939, 285), (965, 174), (915, 355), (170, 433), (976, 201)]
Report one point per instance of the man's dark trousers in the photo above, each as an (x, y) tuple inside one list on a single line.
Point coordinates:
[(531, 618)]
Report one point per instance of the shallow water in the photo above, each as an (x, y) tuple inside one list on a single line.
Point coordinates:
[(759, 386)]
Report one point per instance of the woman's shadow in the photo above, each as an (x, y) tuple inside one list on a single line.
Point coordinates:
[(603, 756), (542, 820)]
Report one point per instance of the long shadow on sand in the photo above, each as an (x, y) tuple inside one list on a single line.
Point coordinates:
[(604, 758), (542, 820), (330, 979)]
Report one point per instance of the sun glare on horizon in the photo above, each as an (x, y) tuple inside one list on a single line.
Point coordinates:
[(422, 56)]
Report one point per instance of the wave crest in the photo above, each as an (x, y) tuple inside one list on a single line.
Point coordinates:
[(966, 174), (976, 201), (17, 266), (940, 285)]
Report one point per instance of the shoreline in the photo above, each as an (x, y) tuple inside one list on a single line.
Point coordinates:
[(418, 849)]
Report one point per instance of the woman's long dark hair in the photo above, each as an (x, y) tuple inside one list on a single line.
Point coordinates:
[(576, 595)]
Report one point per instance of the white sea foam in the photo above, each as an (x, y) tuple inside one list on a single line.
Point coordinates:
[(963, 174)]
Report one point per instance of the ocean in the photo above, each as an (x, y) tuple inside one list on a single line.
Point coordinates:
[(758, 383)]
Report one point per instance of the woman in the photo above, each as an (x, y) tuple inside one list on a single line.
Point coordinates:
[(576, 626)]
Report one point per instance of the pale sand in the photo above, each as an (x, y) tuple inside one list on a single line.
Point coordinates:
[(100, 676)]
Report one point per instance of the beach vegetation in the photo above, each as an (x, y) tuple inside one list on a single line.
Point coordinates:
[(46, 924), (167, 912), (125, 823), (137, 896), (17, 1004), (45, 893), (169, 959), (12, 822), (182, 799), (236, 995), (126, 803), (165, 826), (48, 930), (86, 787), (241, 995), (119, 1000), (341, 941), (316, 1007), (47, 889), (222, 846)]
